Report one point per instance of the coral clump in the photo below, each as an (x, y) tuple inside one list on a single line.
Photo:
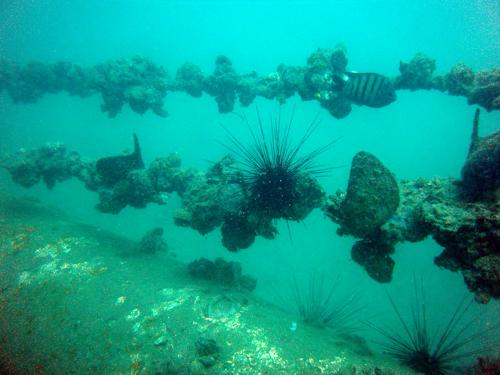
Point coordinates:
[(486, 89), (143, 85), (416, 74), (461, 216), (222, 84), (189, 78), (50, 163), (459, 80), (136, 81)]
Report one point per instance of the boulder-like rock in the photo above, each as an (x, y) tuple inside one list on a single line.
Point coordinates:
[(374, 256), (372, 197)]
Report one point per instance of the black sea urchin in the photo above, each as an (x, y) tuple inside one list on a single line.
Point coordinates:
[(320, 303), (437, 353), (271, 169)]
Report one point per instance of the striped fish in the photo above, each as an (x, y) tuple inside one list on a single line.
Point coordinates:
[(370, 89)]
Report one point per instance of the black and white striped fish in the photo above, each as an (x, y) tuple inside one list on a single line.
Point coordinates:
[(370, 89)]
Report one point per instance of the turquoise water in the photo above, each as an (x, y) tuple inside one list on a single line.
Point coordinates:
[(423, 134)]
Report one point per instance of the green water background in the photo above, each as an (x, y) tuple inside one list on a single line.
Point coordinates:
[(423, 134)]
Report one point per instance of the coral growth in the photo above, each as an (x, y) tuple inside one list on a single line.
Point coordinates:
[(469, 234), (416, 74), (485, 90), (459, 80), (482, 87), (271, 180), (461, 216), (143, 85), (50, 163), (189, 78), (222, 84), (276, 182), (136, 81)]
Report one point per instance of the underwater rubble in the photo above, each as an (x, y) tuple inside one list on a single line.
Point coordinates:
[(143, 85), (467, 229)]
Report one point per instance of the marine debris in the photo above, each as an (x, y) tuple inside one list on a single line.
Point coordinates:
[(222, 272), (469, 231), (143, 85)]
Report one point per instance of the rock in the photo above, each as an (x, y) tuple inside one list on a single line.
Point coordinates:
[(207, 361), (373, 255), (372, 197), (222, 306), (152, 242), (206, 346), (222, 272), (160, 341), (208, 351), (237, 232)]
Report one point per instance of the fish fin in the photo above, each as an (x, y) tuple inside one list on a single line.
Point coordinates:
[(137, 152)]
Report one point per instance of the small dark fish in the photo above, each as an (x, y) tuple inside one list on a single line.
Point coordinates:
[(112, 169), (370, 89)]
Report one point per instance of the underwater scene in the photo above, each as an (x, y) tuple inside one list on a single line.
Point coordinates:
[(250, 187)]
